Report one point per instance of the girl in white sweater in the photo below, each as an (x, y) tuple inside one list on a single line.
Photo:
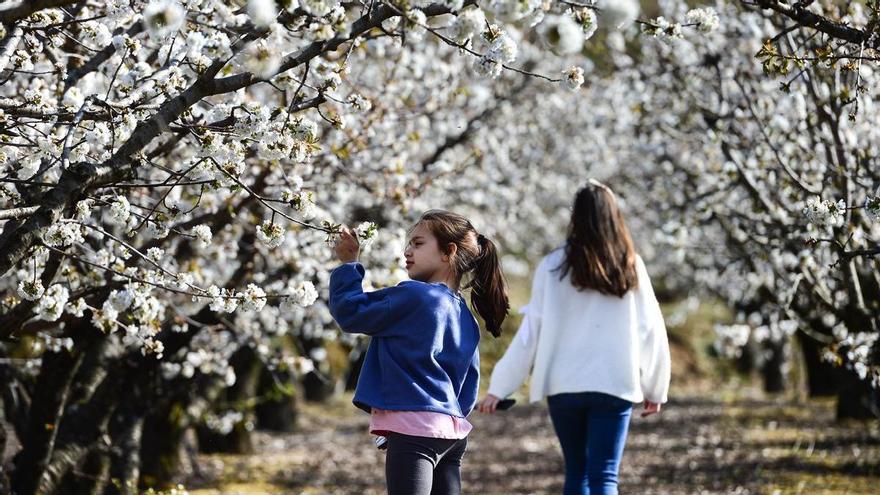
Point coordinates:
[(595, 342)]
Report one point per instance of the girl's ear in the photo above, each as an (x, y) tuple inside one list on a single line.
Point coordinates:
[(451, 249)]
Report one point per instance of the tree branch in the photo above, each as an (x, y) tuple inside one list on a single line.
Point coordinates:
[(25, 9)]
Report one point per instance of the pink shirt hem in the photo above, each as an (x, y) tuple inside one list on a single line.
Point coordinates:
[(419, 423)]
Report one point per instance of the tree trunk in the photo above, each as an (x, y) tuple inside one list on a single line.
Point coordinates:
[(53, 384), (278, 410), (5, 489), (774, 368), (92, 477), (161, 447), (856, 399), (126, 432), (355, 362), (821, 376), (247, 367)]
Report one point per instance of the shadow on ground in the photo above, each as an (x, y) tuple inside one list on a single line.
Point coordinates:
[(696, 446)]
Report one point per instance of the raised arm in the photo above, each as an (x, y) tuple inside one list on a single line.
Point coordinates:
[(370, 313)]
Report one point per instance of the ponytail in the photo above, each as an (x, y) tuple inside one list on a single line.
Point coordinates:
[(477, 255), (488, 291)]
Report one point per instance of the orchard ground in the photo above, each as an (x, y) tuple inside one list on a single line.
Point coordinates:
[(719, 434)]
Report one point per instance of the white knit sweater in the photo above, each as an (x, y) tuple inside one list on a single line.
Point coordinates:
[(585, 341)]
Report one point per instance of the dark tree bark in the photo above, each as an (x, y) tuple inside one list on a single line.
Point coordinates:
[(161, 450), (855, 398), (277, 409), (355, 363), (5, 488), (247, 367), (53, 385), (822, 376), (773, 369), (126, 432), (90, 478)]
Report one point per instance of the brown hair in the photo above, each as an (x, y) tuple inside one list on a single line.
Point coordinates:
[(475, 254), (599, 251)]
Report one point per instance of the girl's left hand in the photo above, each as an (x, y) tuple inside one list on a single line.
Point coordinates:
[(347, 247), (488, 404), (650, 408)]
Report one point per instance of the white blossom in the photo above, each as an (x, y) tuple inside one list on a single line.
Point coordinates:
[(502, 46), (51, 304), (730, 339), (222, 300), (30, 290), (254, 298), (318, 354), (872, 207), (587, 20), (824, 212), (561, 34), (487, 66), (84, 209), (155, 254), (154, 347), (618, 13), (120, 300), (270, 233), (366, 233), (360, 103), (262, 59), (163, 18), (105, 318), (304, 294), (73, 98), (302, 365), (262, 12), (573, 78), (318, 8), (663, 29), (304, 203), (77, 308), (707, 19), (63, 234), (468, 23), (120, 209), (416, 21), (203, 235)]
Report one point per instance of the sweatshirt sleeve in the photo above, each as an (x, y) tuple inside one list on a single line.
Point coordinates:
[(467, 399), (370, 313), (512, 369), (654, 359)]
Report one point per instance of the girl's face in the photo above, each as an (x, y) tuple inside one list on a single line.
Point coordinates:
[(424, 260)]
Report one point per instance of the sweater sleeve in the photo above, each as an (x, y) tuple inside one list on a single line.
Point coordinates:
[(370, 313), (512, 369), (467, 399), (654, 356)]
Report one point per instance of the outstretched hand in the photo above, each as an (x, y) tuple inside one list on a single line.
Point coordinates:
[(347, 247)]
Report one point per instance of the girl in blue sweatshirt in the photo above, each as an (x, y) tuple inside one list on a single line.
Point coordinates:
[(421, 372)]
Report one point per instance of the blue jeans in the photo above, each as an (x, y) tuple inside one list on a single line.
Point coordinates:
[(591, 427)]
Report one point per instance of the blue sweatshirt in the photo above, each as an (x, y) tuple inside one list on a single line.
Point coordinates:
[(424, 353)]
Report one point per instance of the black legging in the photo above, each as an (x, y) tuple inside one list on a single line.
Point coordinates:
[(423, 466)]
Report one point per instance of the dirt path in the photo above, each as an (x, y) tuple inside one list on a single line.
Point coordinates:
[(697, 446)]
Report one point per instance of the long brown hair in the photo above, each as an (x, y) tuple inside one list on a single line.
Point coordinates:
[(475, 254), (599, 251)]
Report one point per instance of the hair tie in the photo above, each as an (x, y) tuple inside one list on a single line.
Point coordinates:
[(481, 239)]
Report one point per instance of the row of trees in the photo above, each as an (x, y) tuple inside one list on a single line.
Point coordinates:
[(170, 173)]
